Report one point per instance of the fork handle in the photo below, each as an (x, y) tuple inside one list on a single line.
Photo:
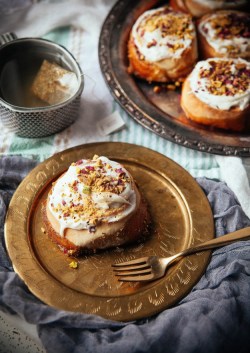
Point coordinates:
[(240, 234)]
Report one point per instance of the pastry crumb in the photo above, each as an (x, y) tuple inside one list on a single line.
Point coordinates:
[(73, 264)]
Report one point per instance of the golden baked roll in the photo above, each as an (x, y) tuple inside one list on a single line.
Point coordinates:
[(224, 34), (217, 93), (198, 8), (162, 46), (95, 205)]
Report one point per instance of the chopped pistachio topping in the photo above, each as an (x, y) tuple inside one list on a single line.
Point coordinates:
[(225, 78), (92, 192), (227, 26), (170, 24), (73, 264), (229, 32)]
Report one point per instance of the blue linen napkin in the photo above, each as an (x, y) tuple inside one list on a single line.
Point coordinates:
[(213, 317)]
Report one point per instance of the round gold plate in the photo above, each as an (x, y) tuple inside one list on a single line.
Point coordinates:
[(181, 217)]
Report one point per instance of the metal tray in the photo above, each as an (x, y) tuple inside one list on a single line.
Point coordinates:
[(160, 113)]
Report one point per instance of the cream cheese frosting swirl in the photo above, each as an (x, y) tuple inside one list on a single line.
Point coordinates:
[(227, 32), (162, 33), (222, 83), (218, 4), (90, 193)]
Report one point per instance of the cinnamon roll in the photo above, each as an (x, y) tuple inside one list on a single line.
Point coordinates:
[(198, 8), (95, 205), (217, 93), (224, 34), (162, 46)]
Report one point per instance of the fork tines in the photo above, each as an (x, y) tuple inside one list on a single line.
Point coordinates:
[(141, 260), (133, 270)]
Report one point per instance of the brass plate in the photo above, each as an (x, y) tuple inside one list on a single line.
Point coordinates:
[(160, 113), (181, 217)]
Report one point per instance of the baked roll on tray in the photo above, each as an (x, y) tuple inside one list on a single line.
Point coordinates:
[(224, 34), (95, 205), (162, 46), (217, 93), (198, 8)]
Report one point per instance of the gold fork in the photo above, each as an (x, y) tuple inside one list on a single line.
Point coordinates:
[(153, 267)]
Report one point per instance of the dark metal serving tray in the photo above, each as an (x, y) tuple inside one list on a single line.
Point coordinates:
[(160, 113)]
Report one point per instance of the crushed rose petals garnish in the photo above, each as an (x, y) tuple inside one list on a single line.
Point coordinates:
[(170, 24), (227, 26), (92, 179), (225, 78)]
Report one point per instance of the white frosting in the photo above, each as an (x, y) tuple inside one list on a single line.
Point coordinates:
[(199, 87), (220, 44), (218, 4), (162, 47), (108, 206)]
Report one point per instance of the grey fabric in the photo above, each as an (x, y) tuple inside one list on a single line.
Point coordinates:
[(12, 172), (12, 12), (213, 317)]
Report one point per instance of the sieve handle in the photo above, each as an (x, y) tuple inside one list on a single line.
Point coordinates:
[(7, 37)]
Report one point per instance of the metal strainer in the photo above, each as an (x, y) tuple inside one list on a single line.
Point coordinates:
[(27, 54)]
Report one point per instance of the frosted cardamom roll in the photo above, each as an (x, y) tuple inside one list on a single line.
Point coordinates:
[(217, 93), (198, 8), (92, 192), (221, 83), (219, 4), (162, 45), (95, 204), (161, 33), (225, 34)]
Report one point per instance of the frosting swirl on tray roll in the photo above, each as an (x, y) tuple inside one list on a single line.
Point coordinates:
[(219, 4), (222, 83), (92, 192), (161, 33), (227, 32)]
